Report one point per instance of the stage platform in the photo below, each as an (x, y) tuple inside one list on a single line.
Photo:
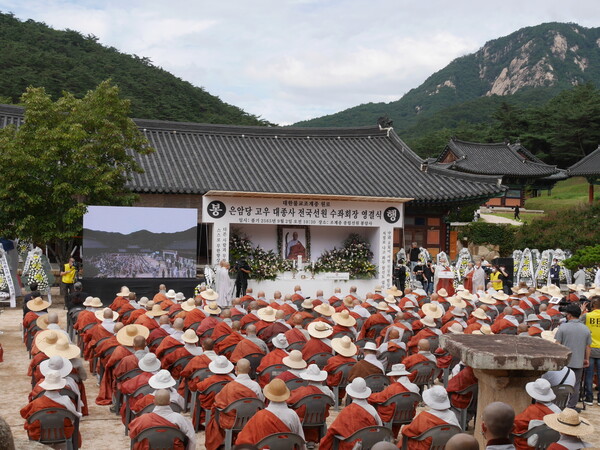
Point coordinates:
[(107, 288)]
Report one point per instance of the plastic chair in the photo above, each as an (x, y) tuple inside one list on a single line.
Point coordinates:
[(392, 358), (377, 382), (439, 436), (296, 383), (170, 350), (118, 396), (341, 334), (155, 342), (426, 371), (368, 437), (180, 364), (282, 441), (201, 374), (254, 359), (149, 408), (105, 354), (546, 436), (562, 392), (434, 342), (345, 370), (509, 330), (244, 409), (52, 427), (141, 391), (320, 359), (272, 371), (228, 351), (317, 406), (298, 345), (67, 392), (196, 412), (160, 438), (405, 408), (463, 413)]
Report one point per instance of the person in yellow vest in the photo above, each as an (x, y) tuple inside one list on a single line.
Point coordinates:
[(68, 276), (592, 321), (496, 278)]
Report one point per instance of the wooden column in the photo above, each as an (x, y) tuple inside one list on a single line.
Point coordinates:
[(591, 193)]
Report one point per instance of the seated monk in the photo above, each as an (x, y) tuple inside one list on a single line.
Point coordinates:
[(424, 354), (241, 387), (439, 413), (196, 363), (368, 330), (171, 342), (459, 382), (227, 346), (541, 391), (164, 329), (344, 353), (191, 311), (297, 333), (51, 398), (161, 380), (429, 330), (190, 348), (223, 328), (275, 357), (319, 341), (357, 415), (370, 365), (315, 378), (273, 329), (251, 344), (163, 416), (150, 365), (150, 319), (131, 361), (505, 321), (221, 370), (252, 316), (533, 325), (295, 366), (400, 384), (277, 417)]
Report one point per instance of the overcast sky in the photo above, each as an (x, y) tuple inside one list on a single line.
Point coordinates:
[(127, 219), (289, 60)]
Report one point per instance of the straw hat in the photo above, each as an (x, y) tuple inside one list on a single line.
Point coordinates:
[(442, 292), (398, 370), (394, 291), (549, 335), (307, 304), (126, 334), (280, 341), (313, 373), (456, 328), (500, 295), (37, 304), (390, 299), (523, 291), (487, 299), (466, 295), (319, 329), (212, 308), (100, 314), (96, 303), (156, 311), (170, 293), (428, 321), (458, 312), (45, 339), (149, 363), (543, 289), (53, 381), (124, 292), (459, 303), (432, 310), (569, 422), (209, 294), (532, 318), (344, 346), (436, 398), (348, 301), (420, 292), (267, 314), (221, 365), (143, 301), (480, 314), (277, 391), (188, 305), (540, 390), (63, 348), (378, 288), (344, 318), (88, 301), (382, 306), (179, 297), (294, 360), (409, 305), (190, 336), (554, 291), (162, 380), (485, 329), (358, 388), (60, 364), (325, 309)]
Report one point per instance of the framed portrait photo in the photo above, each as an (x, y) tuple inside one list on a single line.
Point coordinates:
[(294, 241)]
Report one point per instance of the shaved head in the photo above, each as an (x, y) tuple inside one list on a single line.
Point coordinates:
[(118, 326), (236, 325), (163, 320), (423, 345), (462, 441), (178, 324), (139, 342), (149, 305), (242, 366), (108, 314), (280, 314), (394, 333), (319, 293), (498, 420), (434, 297), (208, 344), (251, 330), (253, 306), (162, 397), (198, 301), (288, 297), (508, 311), (277, 295), (297, 319), (226, 314), (52, 317)]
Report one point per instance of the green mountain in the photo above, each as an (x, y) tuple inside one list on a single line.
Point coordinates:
[(525, 68), (33, 54)]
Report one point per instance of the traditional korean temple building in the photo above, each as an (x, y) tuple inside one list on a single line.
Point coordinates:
[(518, 169), (588, 167)]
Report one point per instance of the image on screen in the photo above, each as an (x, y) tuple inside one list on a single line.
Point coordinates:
[(138, 242)]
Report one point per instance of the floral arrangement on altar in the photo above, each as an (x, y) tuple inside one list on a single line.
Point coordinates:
[(264, 264), (37, 269), (354, 257), (462, 263)]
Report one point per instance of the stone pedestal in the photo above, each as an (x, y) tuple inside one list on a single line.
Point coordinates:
[(503, 365)]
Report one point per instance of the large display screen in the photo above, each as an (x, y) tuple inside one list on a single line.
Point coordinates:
[(138, 242)]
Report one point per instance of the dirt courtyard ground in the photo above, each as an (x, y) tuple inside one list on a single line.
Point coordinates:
[(101, 429)]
